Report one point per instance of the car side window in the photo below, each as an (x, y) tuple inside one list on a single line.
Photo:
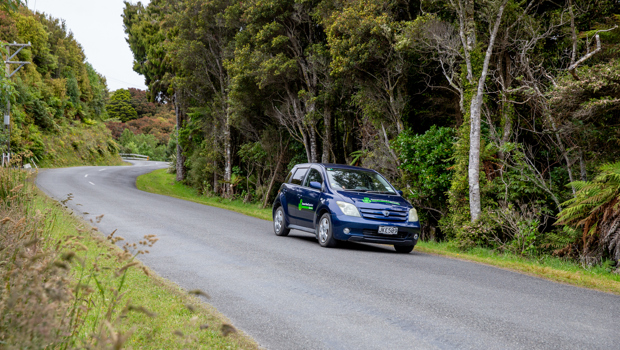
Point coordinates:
[(314, 175), (298, 177), (288, 177)]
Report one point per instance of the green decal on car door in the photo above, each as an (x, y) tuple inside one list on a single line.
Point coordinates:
[(303, 205)]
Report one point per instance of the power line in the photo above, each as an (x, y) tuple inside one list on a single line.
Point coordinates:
[(124, 82)]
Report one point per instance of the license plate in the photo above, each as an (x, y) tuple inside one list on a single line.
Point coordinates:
[(388, 230)]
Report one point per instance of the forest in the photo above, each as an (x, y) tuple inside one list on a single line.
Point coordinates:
[(498, 119), (57, 101)]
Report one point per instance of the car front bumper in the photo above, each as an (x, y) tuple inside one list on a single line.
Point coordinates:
[(366, 230)]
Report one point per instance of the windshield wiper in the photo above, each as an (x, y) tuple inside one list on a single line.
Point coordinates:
[(353, 190), (381, 192)]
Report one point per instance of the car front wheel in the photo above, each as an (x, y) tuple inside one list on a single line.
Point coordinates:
[(325, 233), (279, 225), (403, 248)]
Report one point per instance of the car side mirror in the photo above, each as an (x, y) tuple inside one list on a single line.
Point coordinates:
[(400, 193), (316, 185)]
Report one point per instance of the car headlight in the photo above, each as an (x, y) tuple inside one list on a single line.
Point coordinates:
[(413, 215), (348, 209)]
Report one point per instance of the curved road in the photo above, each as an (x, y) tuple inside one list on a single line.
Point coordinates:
[(289, 293)]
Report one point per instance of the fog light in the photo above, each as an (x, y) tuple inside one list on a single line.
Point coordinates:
[(415, 236), (346, 231)]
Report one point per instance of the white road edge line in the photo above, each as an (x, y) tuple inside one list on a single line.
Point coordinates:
[(102, 169), (86, 175), (91, 183)]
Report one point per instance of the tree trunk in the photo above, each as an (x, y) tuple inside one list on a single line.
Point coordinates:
[(180, 157), (275, 173), (582, 166), (216, 183), (313, 152), (227, 156), (506, 114), (475, 206), (507, 125), (327, 138)]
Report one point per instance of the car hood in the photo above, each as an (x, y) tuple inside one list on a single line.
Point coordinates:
[(374, 200)]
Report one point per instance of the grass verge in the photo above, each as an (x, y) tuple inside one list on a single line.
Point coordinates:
[(164, 316), (160, 182), (65, 285), (548, 267)]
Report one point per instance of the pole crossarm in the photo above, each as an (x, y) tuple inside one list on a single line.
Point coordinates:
[(10, 56), (21, 64), (21, 46)]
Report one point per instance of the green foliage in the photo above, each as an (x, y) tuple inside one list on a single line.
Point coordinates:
[(145, 144), (259, 86), (10, 5), (481, 233), (56, 91), (119, 107), (80, 145), (596, 210), (426, 161)]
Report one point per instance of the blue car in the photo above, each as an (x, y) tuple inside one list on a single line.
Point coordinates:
[(345, 203)]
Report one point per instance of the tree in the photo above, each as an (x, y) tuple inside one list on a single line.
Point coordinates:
[(10, 5), (120, 107), (476, 76), (139, 101), (149, 32), (203, 44), (280, 54), (596, 210)]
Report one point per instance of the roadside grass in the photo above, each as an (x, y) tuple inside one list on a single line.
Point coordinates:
[(160, 182), (171, 317), (548, 267), (164, 317), (65, 285)]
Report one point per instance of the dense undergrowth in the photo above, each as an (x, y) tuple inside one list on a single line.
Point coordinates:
[(67, 286)]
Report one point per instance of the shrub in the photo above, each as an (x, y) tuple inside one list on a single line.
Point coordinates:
[(426, 160), (595, 210)]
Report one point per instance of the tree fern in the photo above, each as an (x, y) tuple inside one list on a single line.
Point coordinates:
[(595, 210)]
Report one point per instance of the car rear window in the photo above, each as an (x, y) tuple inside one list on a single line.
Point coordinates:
[(299, 176), (288, 177)]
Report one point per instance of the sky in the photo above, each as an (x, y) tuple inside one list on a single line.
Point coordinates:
[(97, 25)]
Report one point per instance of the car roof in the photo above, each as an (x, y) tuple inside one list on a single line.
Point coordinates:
[(330, 165)]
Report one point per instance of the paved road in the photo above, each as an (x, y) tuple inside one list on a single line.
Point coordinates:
[(289, 293)]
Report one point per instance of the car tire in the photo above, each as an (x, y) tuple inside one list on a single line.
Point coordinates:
[(279, 224), (325, 232), (405, 249)]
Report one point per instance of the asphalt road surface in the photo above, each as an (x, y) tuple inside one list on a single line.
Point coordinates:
[(289, 293)]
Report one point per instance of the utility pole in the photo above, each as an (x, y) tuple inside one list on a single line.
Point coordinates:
[(9, 74)]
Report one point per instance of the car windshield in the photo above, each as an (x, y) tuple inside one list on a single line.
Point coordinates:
[(358, 181)]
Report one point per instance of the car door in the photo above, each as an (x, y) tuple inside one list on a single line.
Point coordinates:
[(293, 195), (309, 199)]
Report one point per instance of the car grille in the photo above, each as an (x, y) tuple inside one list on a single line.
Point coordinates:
[(375, 233), (379, 214)]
